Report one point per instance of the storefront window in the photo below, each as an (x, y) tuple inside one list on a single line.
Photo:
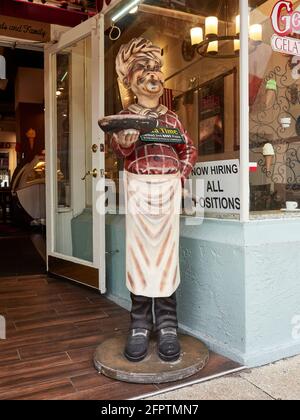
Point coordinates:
[(275, 107), (202, 81), (73, 215)]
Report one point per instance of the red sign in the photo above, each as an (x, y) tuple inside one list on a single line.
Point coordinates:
[(285, 19), (48, 12), (253, 166), (80, 5)]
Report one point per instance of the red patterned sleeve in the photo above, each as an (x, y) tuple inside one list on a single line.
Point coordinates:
[(121, 152), (187, 153)]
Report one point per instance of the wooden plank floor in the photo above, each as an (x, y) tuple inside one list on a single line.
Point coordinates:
[(53, 328)]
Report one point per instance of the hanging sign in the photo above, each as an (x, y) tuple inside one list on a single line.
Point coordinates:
[(24, 29), (221, 193), (6, 145), (285, 21)]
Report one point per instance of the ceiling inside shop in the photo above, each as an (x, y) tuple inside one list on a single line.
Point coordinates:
[(223, 9), (205, 8)]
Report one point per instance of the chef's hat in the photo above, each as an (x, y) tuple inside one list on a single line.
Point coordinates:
[(138, 49)]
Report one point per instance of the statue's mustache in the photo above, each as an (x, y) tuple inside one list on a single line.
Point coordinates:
[(142, 80)]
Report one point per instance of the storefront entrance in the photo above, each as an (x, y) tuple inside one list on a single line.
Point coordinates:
[(75, 155), (22, 158), (65, 95), (234, 82)]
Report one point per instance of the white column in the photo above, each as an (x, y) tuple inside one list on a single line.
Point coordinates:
[(244, 112), (50, 146)]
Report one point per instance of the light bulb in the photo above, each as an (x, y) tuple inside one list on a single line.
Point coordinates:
[(196, 35), (237, 45), (211, 26), (255, 32), (213, 47), (238, 24)]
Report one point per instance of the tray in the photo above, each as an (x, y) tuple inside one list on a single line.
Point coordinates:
[(116, 123)]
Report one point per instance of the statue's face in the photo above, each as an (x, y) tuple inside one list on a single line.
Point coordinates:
[(147, 79)]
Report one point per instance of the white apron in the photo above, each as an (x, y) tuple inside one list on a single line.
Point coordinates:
[(153, 204)]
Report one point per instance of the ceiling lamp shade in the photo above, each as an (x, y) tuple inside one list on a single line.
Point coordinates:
[(196, 35), (3, 80), (207, 41)]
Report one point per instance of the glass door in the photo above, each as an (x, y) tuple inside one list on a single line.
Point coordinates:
[(75, 155)]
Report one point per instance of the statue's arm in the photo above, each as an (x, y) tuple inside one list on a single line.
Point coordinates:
[(124, 142), (187, 153)]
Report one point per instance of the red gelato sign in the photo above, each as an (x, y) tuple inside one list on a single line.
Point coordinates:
[(285, 21)]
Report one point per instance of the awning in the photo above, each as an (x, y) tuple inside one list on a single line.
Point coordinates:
[(43, 12)]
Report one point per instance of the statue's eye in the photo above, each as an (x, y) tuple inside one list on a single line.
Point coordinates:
[(139, 67)]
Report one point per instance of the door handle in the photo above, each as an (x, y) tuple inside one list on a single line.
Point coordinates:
[(94, 148), (93, 173)]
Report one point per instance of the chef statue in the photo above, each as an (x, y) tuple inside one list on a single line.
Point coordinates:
[(156, 168)]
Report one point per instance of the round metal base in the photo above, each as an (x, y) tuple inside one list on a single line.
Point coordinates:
[(110, 361)]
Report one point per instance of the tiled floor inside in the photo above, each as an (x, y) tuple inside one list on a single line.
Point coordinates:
[(53, 329)]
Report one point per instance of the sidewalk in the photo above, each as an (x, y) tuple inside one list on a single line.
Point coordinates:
[(279, 381)]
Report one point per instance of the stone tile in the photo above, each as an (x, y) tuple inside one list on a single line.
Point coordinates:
[(227, 388), (281, 380)]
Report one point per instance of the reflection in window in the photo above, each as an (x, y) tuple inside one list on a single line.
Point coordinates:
[(63, 130), (202, 90), (274, 118)]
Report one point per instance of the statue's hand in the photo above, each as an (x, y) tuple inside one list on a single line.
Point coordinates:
[(126, 138)]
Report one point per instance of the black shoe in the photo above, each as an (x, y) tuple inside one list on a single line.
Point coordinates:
[(137, 345), (168, 345)]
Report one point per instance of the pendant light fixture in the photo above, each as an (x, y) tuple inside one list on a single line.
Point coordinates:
[(208, 40)]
